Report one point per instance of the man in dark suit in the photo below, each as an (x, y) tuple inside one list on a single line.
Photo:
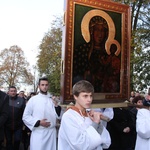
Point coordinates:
[(4, 109)]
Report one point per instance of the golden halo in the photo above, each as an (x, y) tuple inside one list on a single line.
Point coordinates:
[(111, 35)]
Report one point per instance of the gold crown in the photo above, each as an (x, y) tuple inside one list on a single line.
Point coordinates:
[(98, 20)]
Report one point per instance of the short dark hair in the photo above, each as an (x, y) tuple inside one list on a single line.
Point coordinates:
[(42, 79), (137, 98), (32, 93), (82, 86), (12, 87)]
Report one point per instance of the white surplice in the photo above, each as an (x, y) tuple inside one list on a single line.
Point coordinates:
[(77, 133), (41, 107), (143, 130)]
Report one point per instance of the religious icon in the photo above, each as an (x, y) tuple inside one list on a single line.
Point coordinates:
[(93, 61), (96, 48)]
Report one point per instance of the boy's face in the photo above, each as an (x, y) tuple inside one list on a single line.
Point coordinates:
[(84, 100), (139, 102)]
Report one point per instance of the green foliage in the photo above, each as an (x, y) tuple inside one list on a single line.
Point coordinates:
[(49, 58), (140, 43), (140, 47)]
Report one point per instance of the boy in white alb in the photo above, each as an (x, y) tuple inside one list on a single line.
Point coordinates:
[(142, 126), (79, 129)]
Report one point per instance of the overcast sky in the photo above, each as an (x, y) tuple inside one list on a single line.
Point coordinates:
[(25, 22)]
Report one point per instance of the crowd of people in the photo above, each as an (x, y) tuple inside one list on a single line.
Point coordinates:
[(33, 121), (28, 120)]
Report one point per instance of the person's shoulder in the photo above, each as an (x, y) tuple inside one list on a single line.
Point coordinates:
[(133, 111), (32, 101), (33, 98), (2, 93), (20, 98), (143, 111), (69, 113)]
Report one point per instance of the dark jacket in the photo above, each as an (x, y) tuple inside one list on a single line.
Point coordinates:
[(133, 115), (16, 108), (4, 109), (120, 140)]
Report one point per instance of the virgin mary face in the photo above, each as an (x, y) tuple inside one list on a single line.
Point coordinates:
[(99, 34)]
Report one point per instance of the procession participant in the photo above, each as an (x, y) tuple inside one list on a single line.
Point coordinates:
[(4, 111), (121, 129), (40, 117), (108, 112), (14, 123), (138, 102), (79, 129), (142, 126)]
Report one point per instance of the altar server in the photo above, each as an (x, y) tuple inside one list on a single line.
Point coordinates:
[(40, 117), (142, 126), (79, 129)]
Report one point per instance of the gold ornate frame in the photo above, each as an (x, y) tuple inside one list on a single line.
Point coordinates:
[(72, 32)]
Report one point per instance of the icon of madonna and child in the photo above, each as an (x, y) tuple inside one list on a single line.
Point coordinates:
[(98, 60)]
